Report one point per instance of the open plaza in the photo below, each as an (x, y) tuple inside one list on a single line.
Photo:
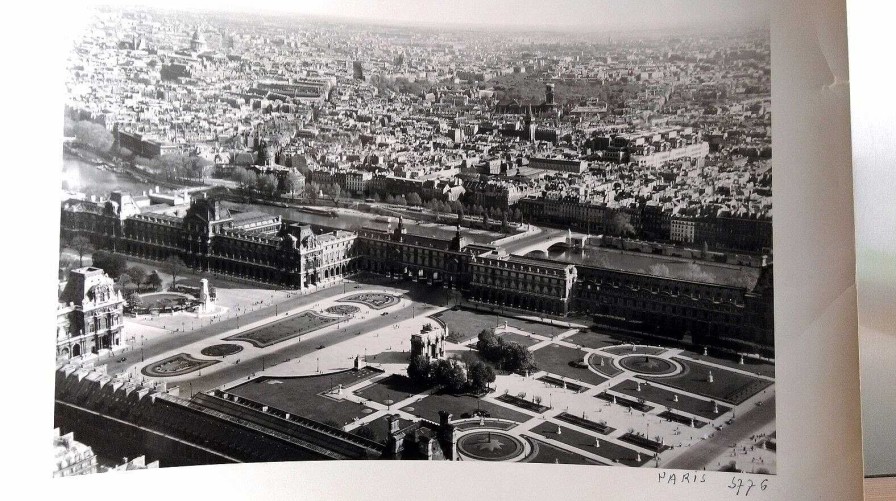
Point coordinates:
[(339, 356)]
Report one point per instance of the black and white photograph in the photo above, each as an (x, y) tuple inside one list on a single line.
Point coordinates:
[(405, 231)]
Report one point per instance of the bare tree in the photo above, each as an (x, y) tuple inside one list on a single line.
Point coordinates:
[(174, 265), (81, 245)]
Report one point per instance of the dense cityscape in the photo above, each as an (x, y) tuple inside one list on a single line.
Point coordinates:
[(288, 238)]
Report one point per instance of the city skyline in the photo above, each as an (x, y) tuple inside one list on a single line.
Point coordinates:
[(579, 227), (605, 16)]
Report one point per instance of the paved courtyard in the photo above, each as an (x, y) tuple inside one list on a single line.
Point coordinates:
[(293, 357)]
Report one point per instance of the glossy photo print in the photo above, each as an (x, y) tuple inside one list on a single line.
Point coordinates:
[(402, 231)]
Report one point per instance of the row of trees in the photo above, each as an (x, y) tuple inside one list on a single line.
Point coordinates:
[(89, 134), (268, 183), (453, 207), (450, 374), (313, 190), (176, 166), (506, 355)]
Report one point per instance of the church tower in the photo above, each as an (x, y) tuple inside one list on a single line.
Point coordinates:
[(458, 242), (197, 41), (400, 231)]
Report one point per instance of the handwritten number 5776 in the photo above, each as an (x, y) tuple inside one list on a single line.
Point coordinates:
[(738, 485)]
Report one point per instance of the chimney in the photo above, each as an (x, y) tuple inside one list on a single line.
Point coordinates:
[(393, 423)]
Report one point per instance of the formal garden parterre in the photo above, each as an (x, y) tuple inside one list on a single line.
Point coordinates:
[(176, 365), (462, 406), (670, 399), (609, 450), (313, 397), (221, 350), (566, 362), (726, 386), (286, 329), (375, 300)]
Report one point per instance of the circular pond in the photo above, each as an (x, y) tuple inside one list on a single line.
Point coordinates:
[(489, 446), (648, 365)]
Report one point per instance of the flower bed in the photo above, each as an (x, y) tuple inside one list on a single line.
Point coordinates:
[(287, 328), (560, 383), (221, 350), (343, 310), (375, 300), (638, 406), (642, 441), (588, 424), (523, 403), (176, 365), (678, 418)]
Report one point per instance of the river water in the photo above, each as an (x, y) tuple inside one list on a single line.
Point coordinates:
[(84, 177), (353, 220)]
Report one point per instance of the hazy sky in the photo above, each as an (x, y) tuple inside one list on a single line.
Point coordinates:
[(596, 15)]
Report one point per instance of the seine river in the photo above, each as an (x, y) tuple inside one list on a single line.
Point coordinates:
[(84, 177)]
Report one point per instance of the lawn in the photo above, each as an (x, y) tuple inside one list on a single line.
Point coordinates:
[(522, 340), (639, 350), (555, 359), (665, 398), (727, 386), (543, 452), (300, 396), (460, 405), (519, 339), (390, 390), (591, 339), (728, 360), (607, 369), (466, 324), (288, 328), (585, 442)]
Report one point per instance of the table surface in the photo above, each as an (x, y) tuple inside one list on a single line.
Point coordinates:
[(880, 489)]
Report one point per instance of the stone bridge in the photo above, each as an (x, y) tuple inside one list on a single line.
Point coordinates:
[(545, 240)]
